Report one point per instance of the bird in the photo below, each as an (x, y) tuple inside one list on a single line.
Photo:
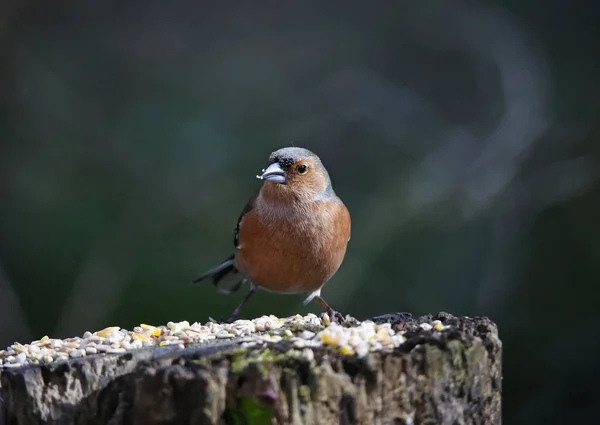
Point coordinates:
[(291, 236)]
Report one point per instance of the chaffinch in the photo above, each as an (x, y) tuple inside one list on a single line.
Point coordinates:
[(291, 236)]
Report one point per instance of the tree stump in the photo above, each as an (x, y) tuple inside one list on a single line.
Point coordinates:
[(448, 377)]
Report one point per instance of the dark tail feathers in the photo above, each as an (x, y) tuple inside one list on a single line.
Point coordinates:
[(226, 277)]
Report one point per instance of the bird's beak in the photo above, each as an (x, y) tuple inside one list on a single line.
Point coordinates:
[(273, 173)]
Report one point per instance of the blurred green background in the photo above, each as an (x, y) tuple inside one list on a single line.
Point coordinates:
[(462, 136)]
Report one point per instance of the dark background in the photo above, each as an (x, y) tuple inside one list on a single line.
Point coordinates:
[(462, 136)]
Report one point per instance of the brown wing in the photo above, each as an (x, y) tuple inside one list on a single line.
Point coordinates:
[(247, 208)]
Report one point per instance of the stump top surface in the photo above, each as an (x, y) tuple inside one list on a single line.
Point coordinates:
[(382, 333)]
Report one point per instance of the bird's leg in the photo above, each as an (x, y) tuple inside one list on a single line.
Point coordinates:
[(237, 310), (335, 316)]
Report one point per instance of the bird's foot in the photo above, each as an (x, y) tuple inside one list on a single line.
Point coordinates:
[(337, 317), (333, 316)]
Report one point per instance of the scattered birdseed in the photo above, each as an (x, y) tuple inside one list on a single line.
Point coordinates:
[(347, 350), (305, 332), (438, 326), (307, 335)]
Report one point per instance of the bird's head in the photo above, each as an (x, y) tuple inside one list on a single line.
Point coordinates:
[(298, 172)]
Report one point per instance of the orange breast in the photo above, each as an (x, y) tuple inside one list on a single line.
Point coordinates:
[(294, 252)]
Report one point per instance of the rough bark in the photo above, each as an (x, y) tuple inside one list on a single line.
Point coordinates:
[(452, 379)]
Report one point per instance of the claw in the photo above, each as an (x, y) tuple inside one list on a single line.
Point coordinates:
[(337, 317), (332, 316)]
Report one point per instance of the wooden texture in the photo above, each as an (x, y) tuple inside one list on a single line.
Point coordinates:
[(454, 378)]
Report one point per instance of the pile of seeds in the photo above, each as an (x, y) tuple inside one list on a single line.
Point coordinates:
[(304, 331)]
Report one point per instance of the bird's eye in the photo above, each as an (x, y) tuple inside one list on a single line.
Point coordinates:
[(302, 169)]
